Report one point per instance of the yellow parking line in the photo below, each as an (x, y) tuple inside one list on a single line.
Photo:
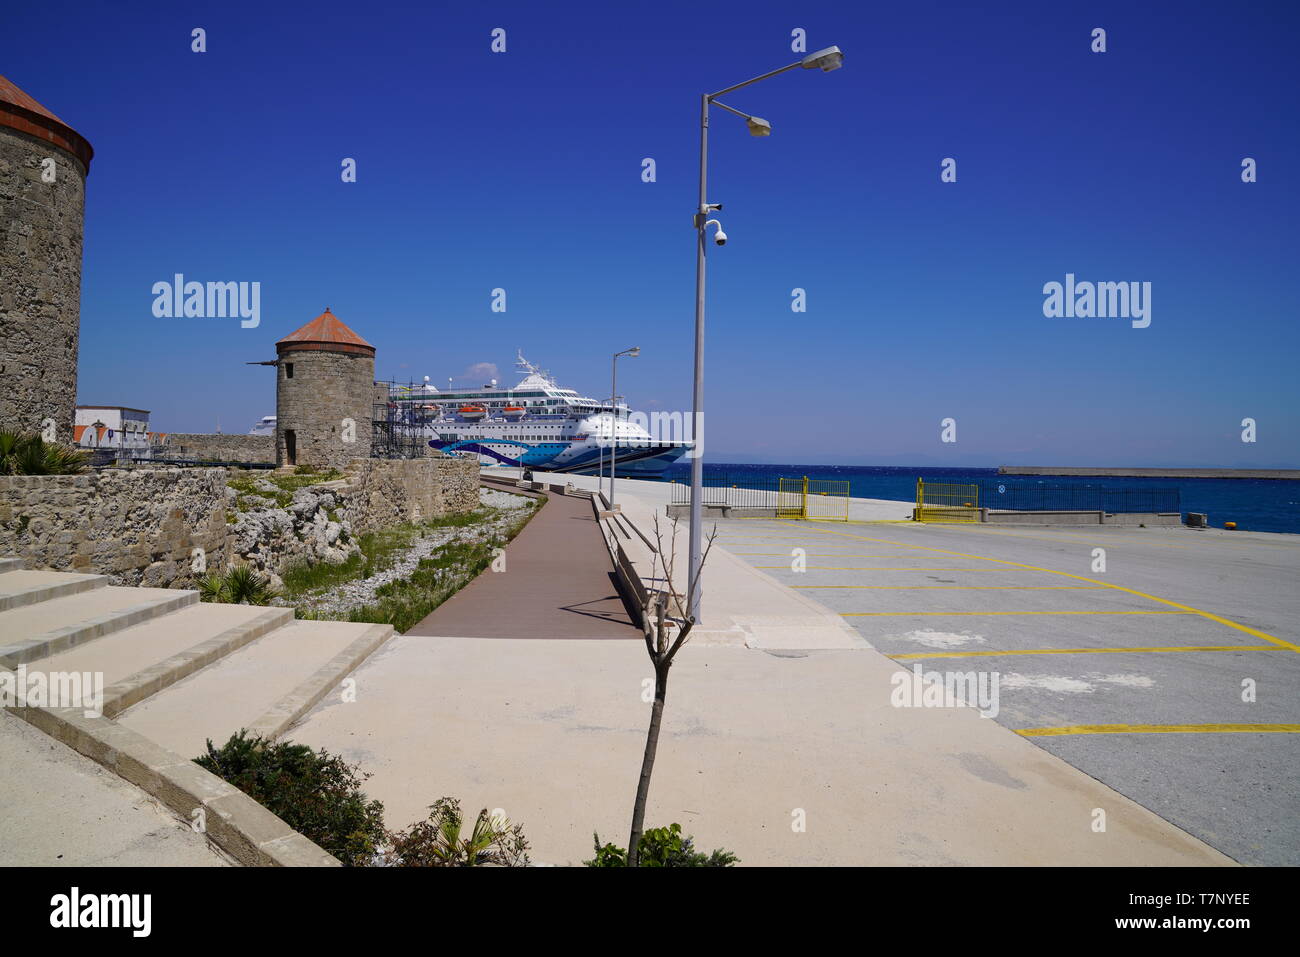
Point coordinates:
[(877, 568), (797, 542), (1161, 729), (1227, 622), (820, 555), (804, 539), (1079, 651), (775, 541), (965, 587), (981, 614), (1081, 538), (1086, 538)]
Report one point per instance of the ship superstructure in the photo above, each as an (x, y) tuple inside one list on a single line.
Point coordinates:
[(537, 424)]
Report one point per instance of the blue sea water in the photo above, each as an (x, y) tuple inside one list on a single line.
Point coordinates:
[(1261, 505)]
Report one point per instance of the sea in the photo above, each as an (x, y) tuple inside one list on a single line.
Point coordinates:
[(1261, 505)]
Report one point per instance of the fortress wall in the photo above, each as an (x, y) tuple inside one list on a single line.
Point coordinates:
[(384, 492), (40, 297), (211, 447), (138, 526)]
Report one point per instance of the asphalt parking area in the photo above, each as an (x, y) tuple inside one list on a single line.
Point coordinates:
[(1164, 662)]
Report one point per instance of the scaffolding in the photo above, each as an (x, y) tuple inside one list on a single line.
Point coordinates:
[(400, 423)]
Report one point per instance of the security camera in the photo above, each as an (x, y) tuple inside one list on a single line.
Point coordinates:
[(720, 238)]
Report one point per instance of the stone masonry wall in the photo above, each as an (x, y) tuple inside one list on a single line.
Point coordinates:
[(458, 476), (327, 391), (138, 526), (323, 521), (384, 492), (141, 526), (40, 284), (211, 447), (310, 530)]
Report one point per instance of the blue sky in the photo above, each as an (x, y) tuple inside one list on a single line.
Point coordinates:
[(522, 170)]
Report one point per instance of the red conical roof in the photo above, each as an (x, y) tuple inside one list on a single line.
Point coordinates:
[(325, 333), (18, 111)]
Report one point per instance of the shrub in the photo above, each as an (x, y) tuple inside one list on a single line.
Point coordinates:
[(26, 453), (437, 842), (239, 586), (316, 793), (661, 847)]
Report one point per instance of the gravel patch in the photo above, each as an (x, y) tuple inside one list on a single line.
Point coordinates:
[(498, 499), (339, 600)]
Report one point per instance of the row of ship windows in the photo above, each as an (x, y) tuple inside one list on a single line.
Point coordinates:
[(451, 437)]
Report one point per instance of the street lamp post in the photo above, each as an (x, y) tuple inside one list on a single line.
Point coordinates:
[(613, 414), (826, 60)]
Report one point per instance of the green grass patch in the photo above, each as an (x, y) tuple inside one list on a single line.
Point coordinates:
[(404, 603), (378, 551)]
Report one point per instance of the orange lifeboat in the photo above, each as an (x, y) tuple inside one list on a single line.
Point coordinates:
[(472, 411), (514, 411)]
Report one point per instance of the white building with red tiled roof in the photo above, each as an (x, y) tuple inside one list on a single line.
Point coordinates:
[(113, 427)]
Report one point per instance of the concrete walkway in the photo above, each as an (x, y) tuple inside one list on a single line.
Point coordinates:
[(60, 809), (557, 583)]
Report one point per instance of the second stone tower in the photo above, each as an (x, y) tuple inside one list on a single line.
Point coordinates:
[(325, 379)]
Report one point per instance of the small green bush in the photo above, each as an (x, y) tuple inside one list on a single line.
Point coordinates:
[(437, 842), (316, 793), (661, 847), (319, 795)]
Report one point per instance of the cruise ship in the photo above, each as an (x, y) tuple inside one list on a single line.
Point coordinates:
[(535, 425)]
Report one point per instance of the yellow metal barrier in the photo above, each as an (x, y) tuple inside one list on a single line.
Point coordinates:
[(792, 497), (944, 502), (813, 500), (827, 501)]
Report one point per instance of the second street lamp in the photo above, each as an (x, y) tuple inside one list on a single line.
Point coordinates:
[(825, 60), (613, 412)]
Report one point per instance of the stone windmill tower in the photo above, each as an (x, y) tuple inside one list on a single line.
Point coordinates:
[(325, 384), (43, 167)]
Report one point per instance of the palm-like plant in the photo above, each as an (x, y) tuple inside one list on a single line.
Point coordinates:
[(26, 453), (239, 586), (9, 442), (437, 841), (246, 587), (212, 587)]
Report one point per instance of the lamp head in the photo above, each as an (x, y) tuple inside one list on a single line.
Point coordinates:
[(759, 126), (829, 59)]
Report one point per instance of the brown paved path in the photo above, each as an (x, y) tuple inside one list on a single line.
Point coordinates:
[(558, 583)]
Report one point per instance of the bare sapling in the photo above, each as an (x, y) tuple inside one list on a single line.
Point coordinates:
[(666, 628)]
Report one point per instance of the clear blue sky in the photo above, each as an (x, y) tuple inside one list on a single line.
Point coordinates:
[(522, 170)]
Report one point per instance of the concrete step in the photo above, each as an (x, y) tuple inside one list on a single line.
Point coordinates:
[(145, 658), (10, 564), (19, 587), (264, 686), (32, 632)]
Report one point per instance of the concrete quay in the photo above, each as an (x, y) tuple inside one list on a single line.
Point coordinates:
[(780, 743)]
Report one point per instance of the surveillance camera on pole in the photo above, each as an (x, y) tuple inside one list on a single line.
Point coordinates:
[(826, 60)]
